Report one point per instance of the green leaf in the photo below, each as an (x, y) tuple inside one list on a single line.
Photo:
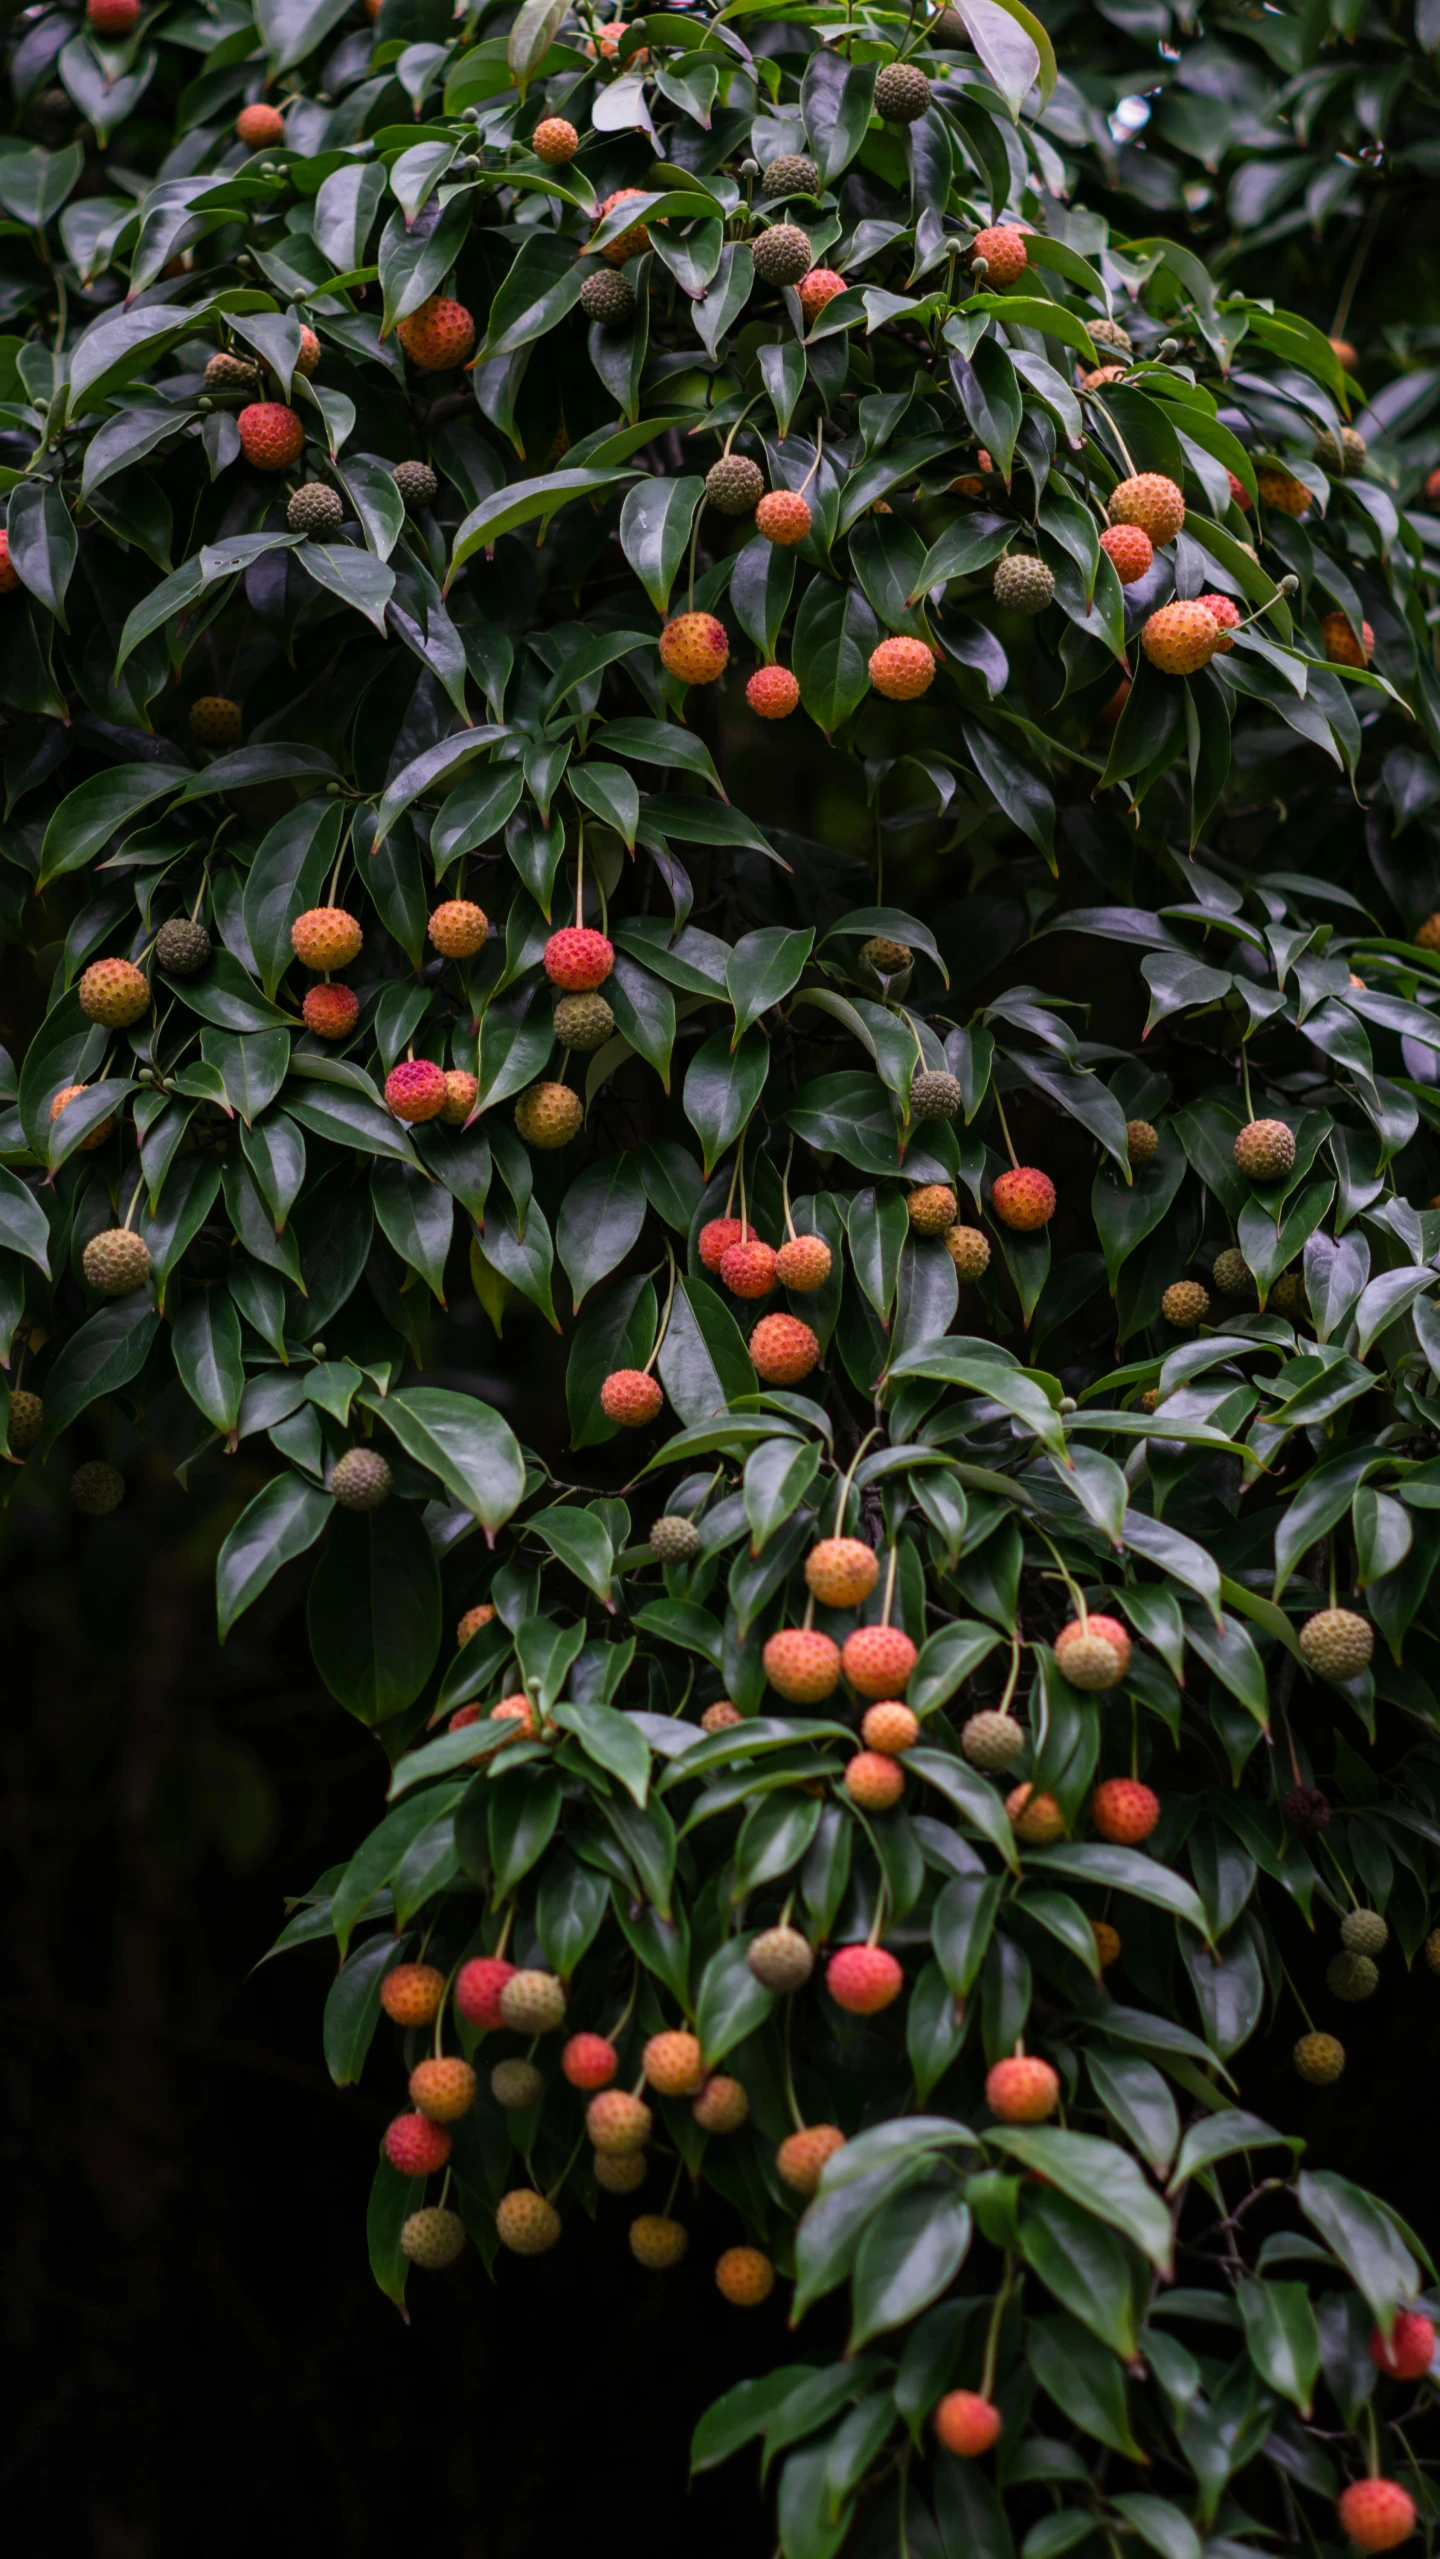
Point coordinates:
[(461, 1440), (107, 1352), (655, 524), (206, 1340), (1084, 2380), (1084, 2265), (1363, 2237), (613, 1741), (600, 1220), (24, 1227), (835, 632), (89, 815), (910, 2253), (581, 1541), (283, 1521), (1096, 2175), (762, 968), (1283, 2338), (722, 1087), (374, 1611), (730, 2004)]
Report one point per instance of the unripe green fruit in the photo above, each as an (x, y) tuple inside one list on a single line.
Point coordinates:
[(515, 2084), (182, 946), (1320, 2059), (1352, 1977), (794, 173), (116, 1263), (1232, 1275), (316, 510), (783, 253), (417, 485), (608, 297), (902, 93), (583, 1022), (887, 958), (1364, 1932), (935, 1096), (781, 1958), (1336, 1643), (1185, 1303), (27, 1421), (432, 2238), (96, 1489), (1288, 1294), (734, 485), (1022, 584), (1108, 333), (992, 1739), (360, 1480), (674, 1539)]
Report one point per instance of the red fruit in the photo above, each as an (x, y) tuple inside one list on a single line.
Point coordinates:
[(411, 1994), (464, 1715), (478, 1987), (783, 1349), (1124, 1811), (472, 1621), (841, 1571), (1150, 500), (748, 1270), (966, 2424), (801, 2157), (717, 1237), (863, 1979), (1130, 550), (804, 1263), (1340, 644), (902, 669), (308, 359), (112, 17), (415, 1089), (772, 692), (631, 242), (1003, 249), (1224, 612), (783, 517), (271, 436), (630, 1398), (1239, 493), (874, 1782), (331, 1011), (878, 1660), (578, 959), (10, 579), (438, 336), (555, 141), (257, 125), (817, 288), (589, 2061), (325, 937), (694, 647), (1024, 1199), (1377, 2513), (802, 1664), (720, 1717), (515, 1710), (459, 928), (443, 2089), (1181, 638), (416, 2146), (1022, 2090), (1406, 2355), (461, 1093)]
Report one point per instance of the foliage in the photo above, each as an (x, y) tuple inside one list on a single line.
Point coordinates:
[(455, 693)]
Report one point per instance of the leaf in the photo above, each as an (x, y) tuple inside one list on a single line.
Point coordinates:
[(1097, 2175), (612, 1741), (525, 502), (283, 1521), (703, 1361), (762, 968), (730, 2004), (206, 1341), (43, 543), (1084, 2265), (723, 1084), (835, 632), (1283, 2338), (1363, 2237), (581, 1541), (655, 524), (909, 2255), (1123, 1870), (89, 815), (24, 1227), (373, 1615), (600, 1219), (461, 1440), (105, 1354), (1084, 2380)]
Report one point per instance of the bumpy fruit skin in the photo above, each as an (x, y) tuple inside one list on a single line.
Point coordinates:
[(1306, 1810), (863, 1979), (674, 1539), (1023, 1199), (116, 1262), (1320, 2059), (748, 1270), (992, 1739), (722, 2105), (745, 2277), (889, 1728), (618, 2172), (182, 946), (315, 509), (257, 125), (1239, 494), (432, 2237), (657, 2241), (114, 992), (694, 647), (804, 1263), (215, 721), (97, 1489), (782, 1959), (516, 1710), (802, 1664), (674, 2063), (1081, 1665), (801, 2159), (734, 485), (935, 1095), (717, 1236), (360, 1480), (1035, 1819), (630, 1398), (555, 141), (578, 959), (1426, 937), (112, 17), (878, 1660), (1351, 1977), (902, 93), (27, 1421), (1022, 584), (227, 371), (1283, 491), (533, 2003), (9, 576), (412, 1993), (1097, 380), (1003, 249), (326, 937), (1123, 1811), (438, 336), (608, 298), (874, 1782), (483, 1614), (416, 2146), (549, 1115), (1109, 333), (817, 288), (477, 1991), (617, 2122), (902, 669), (1022, 2090), (966, 2424), (583, 1022), (782, 253), (783, 1349), (1377, 2514), (459, 928), (330, 1010), (1407, 2353), (783, 517), (1340, 644), (1231, 1274), (525, 2223), (1225, 613), (1107, 1942), (631, 242), (931, 1209), (842, 1571), (271, 436), (97, 1135), (417, 485), (773, 692), (1130, 551), (516, 2085), (1265, 1150), (1185, 1303), (1180, 638), (443, 2089), (1336, 1643), (1150, 500), (719, 1717), (1364, 1932), (589, 2061), (461, 1093), (969, 1250), (415, 1090), (794, 173), (887, 958)]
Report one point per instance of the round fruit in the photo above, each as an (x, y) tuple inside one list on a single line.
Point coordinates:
[(782, 253), (783, 517), (1022, 2090), (992, 1739), (1349, 456), (1407, 2353), (1185, 1303), (1022, 584), (817, 288), (360, 1480), (1036, 1819), (792, 174), (112, 17), (748, 1270), (722, 2105), (533, 2003), (257, 125), (804, 1263), (693, 646), (477, 1991), (630, 242), (215, 721), (1284, 492), (516, 2085), (583, 1022), (578, 959), (630, 1398), (1107, 1942), (1231, 1274), (116, 1262), (745, 2277), (863, 1979), (26, 1421), (443, 2089), (1432, 1950), (516, 1710), (1109, 333), (969, 1250), (1151, 501), (1340, 644), (416, 2146), (902, 93), (462, 1091), (617, 2122), (841, 1571), (720, 1717), (97, 1489), (271, 436), (619, 2172), (1097, 380), (674, 2064), (1239, 494), (607, 297), (114, 992), (717, 1236), (417, 485), (182, 946), (874, 1782), (325, 937), (781, 1958), (1377, 2514), (734, 485), (415, 1090), (589, 2061), (473, 1619), (1225, 613), (1351, 1977), (931, 1208), (1130, 551), (1306, 1810), (1426, 937), (1002, 247), (773, 692), (1023, 1199), (9, 576), (935, 1096), (1265, 1150), (966, 2424), (1123, 1811), (432, 2237), (878, 1660), (1319, 2058), (525, 2223), (1180, 639), (1364, 1932), (1093, 1654), (674, 1539), (902, 669), (802, 1664), (555, 141), (802, 2157), (783, 1350), (548, 1116), (459, 928), (231, 372), (330, 1010), (438, 336), (1336, 1643), (94, 1137), (658, 2242), (412, 1993)]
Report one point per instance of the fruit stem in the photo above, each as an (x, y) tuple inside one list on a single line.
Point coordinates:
[(623, 2020), (819, 451), (1097, 403), (694, 547), (739, 422), (891, 1569), (785, 1193), (1355, 1903), (1295, 1995), (1013, 1680), (1332, 1572), (740, 1168), (565, 2171), (992, 2333), (665, 1318), (1005, 1129), (1134, 1741), (844, 1501), (580, 877), (788, 2074), (1072, 1588), (1245, 1080), (674, 2185), (445, 2188), (1372, 2439), (339, 865)]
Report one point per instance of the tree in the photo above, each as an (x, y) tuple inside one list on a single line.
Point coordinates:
[(398, 478)]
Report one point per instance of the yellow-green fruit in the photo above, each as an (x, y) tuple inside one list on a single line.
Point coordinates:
[(992, 1739), (1142, 1141), (969, 1250), (97, 1489), (1319, 2058), (583, 1022), (515, 2084), (1108, 333), (549, 1115), (1265, 1150), (1432, 1950), (525, 2223), (657, 2241), (432, 2238), (116, 1262), (1336, 1643), (1232, 1275), (619, 2172), (360, 1480), (1288, 1294), (1364, 1932), (1185, 1303), (1352, 1977), (887, 958), (27, 1421)]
